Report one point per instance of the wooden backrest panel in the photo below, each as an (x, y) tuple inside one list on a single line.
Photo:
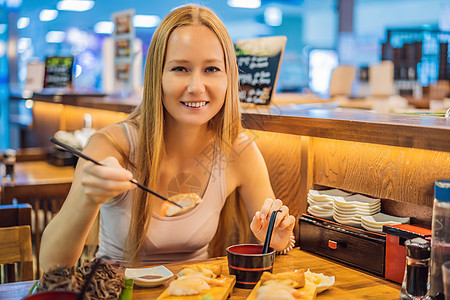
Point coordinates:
[(26, 192), (15, 215), (15, 247)]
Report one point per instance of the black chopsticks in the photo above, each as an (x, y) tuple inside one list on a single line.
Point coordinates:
[(269, 231), (79, 154)]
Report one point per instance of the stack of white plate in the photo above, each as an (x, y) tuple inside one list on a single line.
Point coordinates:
[(376, 222), (321, 202), (349, 210)]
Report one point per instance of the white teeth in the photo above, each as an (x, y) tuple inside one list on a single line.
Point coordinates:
[(195, 104)]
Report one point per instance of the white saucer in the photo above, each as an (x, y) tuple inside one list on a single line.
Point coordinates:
[(137, 273), (384, 219)]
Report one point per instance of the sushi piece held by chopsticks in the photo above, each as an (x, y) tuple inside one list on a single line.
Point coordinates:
[(186, 201)]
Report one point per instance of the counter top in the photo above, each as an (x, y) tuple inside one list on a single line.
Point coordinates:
[(422, 132), (318, 119)]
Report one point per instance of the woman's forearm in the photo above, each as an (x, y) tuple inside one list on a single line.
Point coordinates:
[(64, 238)]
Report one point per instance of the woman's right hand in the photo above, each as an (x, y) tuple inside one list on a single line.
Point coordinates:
[(101, 183)]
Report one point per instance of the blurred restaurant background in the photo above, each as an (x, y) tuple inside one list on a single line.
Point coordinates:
[(360, 104), (321, 34)]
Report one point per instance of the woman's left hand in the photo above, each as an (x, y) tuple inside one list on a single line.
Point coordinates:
[(283, 227)]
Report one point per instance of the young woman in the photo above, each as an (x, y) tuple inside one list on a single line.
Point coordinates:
[(184, 137)]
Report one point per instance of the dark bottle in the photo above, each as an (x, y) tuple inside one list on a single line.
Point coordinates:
[(10, 160), (415, 282)]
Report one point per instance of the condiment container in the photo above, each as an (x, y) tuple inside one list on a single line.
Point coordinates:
[(415, 281), (396, 236), (9, 160)]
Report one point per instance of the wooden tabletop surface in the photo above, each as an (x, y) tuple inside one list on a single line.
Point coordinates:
[(350, 283), (36, 179), (36, 172)]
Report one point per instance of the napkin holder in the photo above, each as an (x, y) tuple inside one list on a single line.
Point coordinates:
[(396, 235)]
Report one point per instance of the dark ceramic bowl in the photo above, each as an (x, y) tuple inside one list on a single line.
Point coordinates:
[(247, 263), (52, 295)]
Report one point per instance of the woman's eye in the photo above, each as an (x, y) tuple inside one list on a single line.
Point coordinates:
[(212, 69), (178, 69)]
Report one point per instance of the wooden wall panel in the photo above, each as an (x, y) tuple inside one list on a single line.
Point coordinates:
[(73, 117), (46, 121), (48, 118), (282, 154), (396, 173)]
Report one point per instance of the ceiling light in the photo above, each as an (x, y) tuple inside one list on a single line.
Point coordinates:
[(23, 23), (146, 21), (55, 36), (13, 3), (75, 5), (23, 44), (105, 27), (244, 3), (273, 16), (48, 15)]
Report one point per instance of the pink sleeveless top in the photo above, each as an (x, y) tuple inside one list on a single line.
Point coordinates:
[(169, 239)]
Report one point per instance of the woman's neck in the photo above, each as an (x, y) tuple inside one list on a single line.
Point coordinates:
[(185, 142)]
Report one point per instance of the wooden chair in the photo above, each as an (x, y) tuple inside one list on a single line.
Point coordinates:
[(15, 215), (10, 216), (15, 247), (47, 197)]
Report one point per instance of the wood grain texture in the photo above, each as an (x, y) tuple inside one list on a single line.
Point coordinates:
[(282, 154), (355, 125), (401, 174), (15, 247)]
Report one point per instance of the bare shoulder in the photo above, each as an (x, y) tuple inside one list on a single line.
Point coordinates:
[(243, 148), (108, 141), (245, 156)]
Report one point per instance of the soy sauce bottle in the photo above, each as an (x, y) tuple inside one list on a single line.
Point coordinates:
[(415, 282)]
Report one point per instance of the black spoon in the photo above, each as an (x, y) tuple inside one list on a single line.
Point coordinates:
[(79, 154), (269, 231)]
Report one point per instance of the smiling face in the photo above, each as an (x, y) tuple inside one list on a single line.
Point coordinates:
[(194, 79)]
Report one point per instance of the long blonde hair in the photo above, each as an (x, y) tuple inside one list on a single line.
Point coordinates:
[(148, 117)]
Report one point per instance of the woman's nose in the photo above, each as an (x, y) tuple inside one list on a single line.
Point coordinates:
[(196, 84)]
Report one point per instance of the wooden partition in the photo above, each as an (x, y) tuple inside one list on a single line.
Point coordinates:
[(393, 157), (397, 163)]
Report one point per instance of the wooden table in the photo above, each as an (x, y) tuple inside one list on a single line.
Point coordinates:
[(42, 185), (349, 282), (37, 176)]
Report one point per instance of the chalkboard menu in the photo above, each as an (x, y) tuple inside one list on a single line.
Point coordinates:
[(58, 72), (258, 62)]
